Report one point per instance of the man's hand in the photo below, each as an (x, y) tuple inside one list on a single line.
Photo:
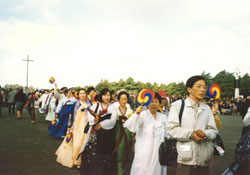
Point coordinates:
[(196, 138), (200, 133)]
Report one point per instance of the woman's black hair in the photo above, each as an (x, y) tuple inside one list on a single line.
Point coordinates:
[(158, 97), (63, 88), (121, 93), (66, 91), (103, 92), (90, 89), (97, 97), (81, 89)]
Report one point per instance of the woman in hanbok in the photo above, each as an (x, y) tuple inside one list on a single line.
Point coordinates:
[(68, 151), (97, 158), (51, 110), (122, 149), (149, 127), (64, 116)]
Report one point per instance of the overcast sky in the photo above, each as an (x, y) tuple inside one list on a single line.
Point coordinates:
[(80, 42)]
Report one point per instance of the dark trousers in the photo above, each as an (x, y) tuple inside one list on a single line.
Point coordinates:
[(11, 108), (191, 170), (32, 113)]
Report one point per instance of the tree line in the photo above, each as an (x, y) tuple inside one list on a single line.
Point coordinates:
[(226, 81)]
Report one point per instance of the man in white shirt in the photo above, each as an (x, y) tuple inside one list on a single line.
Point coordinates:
[(195, 133)]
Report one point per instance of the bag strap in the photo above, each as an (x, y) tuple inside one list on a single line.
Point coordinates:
[(96, 109), (181, 110)]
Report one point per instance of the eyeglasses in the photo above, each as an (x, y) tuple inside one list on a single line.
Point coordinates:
[(200, 87)]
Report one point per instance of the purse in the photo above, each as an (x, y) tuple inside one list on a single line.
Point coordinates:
[(219, 148), (167, 150)]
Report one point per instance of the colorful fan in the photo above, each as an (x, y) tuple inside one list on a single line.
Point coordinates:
[(54, 122), (213, 91), (145, 97), (52, 80), (76, 94), (68, 137)]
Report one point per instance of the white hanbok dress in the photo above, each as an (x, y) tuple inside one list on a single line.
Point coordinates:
[(51, 110), (150, 133)]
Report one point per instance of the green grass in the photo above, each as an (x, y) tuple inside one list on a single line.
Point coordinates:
[(27, 149)]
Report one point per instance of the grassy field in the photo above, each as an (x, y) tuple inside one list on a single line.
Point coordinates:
[(27, 149)]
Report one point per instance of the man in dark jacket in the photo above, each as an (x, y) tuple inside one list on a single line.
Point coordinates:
[(20, 99)]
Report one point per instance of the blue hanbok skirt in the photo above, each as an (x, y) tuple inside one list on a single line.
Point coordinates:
[(60, 128)]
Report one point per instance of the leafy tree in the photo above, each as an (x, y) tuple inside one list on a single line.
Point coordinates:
[(130, 85), (163, 87), (181, 89), (148, 85), (103, 84), (140, 85), (245, 85), (176, 89), (171, 88), (207, 77), (121, 84), (155, 87), (113, 86), (226, 81), (76, 88), (12, 86)]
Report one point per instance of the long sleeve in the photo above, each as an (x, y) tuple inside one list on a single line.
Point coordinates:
[(56, 93), (134, 122), (90, 116), (211, 130), (109, 123), (173, 125)]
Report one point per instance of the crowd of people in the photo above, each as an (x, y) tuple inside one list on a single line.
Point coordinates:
[(107, 132)]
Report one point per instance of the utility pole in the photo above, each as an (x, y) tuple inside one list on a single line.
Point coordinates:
[(28, 60)]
